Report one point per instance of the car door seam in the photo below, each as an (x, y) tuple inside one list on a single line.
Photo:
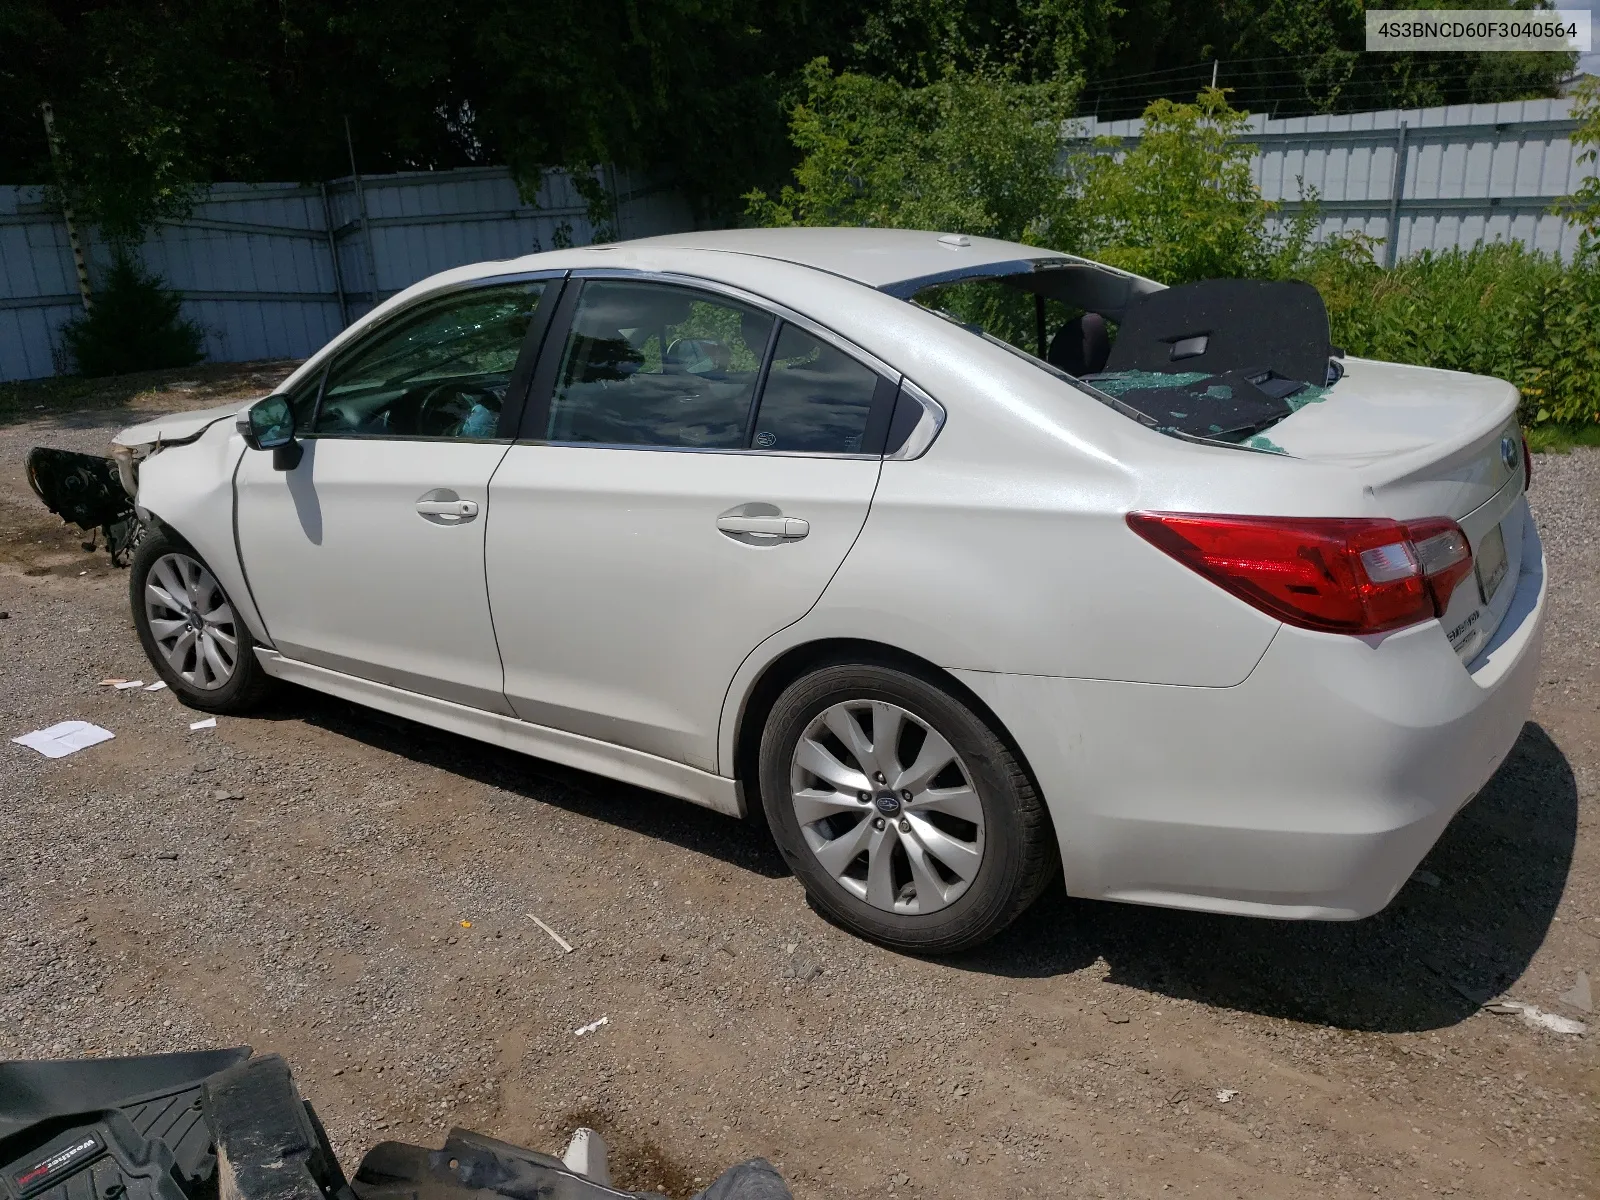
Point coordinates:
[(823, 591), (488, 595), (238, 550)]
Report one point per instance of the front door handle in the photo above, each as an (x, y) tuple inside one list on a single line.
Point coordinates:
[(787, 529), (443, 507)]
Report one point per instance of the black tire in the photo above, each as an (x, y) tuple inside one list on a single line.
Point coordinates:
[(1019, 856), (247, 688)]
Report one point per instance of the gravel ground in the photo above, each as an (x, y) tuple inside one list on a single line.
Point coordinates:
[(355, 892)]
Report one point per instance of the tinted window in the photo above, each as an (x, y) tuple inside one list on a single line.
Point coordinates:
[(817, 399), (440, 370), (652, 365)]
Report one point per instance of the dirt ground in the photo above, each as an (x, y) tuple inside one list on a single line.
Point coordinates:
[(355, 892)]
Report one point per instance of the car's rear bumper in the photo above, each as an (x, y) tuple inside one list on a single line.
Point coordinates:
[(1310, 790)]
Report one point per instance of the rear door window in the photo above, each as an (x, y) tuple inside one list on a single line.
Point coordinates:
[(648, 364), (817, 399)]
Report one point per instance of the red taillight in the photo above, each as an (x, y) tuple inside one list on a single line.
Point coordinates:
[(1527, 465), (1335, 574)]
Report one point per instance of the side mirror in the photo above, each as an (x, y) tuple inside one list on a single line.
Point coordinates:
[(268, 424)]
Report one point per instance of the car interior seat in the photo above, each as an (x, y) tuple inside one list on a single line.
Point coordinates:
[(1081, 346)]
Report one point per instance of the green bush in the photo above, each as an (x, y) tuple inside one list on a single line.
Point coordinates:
[(134, 326), (978, 153), (1494, 309), (1180, 205), (969, 153)]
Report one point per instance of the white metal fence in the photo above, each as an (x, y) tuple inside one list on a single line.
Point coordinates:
[(1423, 178), (274, 270)]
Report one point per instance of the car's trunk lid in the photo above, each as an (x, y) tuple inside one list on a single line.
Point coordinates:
[(1430, 443)]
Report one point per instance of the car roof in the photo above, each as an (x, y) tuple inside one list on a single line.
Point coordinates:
[(898, 261)]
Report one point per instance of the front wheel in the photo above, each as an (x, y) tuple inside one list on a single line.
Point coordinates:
[(189, 629), (905, 815)]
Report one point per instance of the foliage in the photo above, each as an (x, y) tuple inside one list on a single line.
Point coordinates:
[(1495, 309), (971, 154), (153, 100), (134, 326), (1293, 57), (1586, 200), (1180, 205)]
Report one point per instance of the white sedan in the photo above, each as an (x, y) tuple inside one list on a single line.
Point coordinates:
[(1203, 615)]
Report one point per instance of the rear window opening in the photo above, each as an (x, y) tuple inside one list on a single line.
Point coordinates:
[(1222, 360)]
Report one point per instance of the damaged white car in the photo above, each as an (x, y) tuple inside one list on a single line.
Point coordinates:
[(1201, 615)]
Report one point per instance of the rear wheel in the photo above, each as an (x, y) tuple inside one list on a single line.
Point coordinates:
[(189, 629), (904, 814)]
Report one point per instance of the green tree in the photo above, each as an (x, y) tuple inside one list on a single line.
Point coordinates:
[(135, 325), (1292, 57), (1586, 200), (1180, 205), (967, 153)]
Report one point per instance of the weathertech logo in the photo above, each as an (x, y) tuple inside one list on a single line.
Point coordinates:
[(32, 1178)]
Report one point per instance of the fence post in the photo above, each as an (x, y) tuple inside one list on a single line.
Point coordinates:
[(333, 255), (1395, 193)]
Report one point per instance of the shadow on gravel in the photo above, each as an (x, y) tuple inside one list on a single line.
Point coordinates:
[(743, 844), (1430, 959)]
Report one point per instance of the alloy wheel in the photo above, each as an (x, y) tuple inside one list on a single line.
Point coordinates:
[(887, 807), (191, 621)]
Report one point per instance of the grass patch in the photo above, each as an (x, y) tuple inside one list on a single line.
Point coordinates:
[(1560, 439)]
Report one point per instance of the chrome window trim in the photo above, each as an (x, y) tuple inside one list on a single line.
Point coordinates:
[(749, 451), (927, 427)]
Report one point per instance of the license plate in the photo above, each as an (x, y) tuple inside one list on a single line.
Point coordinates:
[(1491, 558)]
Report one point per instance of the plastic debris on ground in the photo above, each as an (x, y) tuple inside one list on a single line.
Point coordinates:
[(63, 739), (566, 947), (591, 1027), (126, 684), (159, 685), (1579, 995), (208, 723), (1227, 1095), (1537, 1017)]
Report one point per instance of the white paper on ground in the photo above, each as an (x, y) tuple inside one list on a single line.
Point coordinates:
[(128, 683), (157, 686), (208, 723), (68, 737)]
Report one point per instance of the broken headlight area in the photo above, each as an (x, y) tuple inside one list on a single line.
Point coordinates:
[(90, 492)]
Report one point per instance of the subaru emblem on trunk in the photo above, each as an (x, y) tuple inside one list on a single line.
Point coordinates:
[(1509, 452)]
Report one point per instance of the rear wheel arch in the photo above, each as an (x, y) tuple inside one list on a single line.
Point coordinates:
[(801, 660)]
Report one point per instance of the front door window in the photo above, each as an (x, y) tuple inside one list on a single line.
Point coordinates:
[(439, 372)]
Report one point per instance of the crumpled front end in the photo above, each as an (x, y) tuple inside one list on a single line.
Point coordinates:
[(90, 492)]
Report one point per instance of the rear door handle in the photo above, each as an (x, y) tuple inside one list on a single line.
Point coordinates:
[(443, 507), (788, 529)]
